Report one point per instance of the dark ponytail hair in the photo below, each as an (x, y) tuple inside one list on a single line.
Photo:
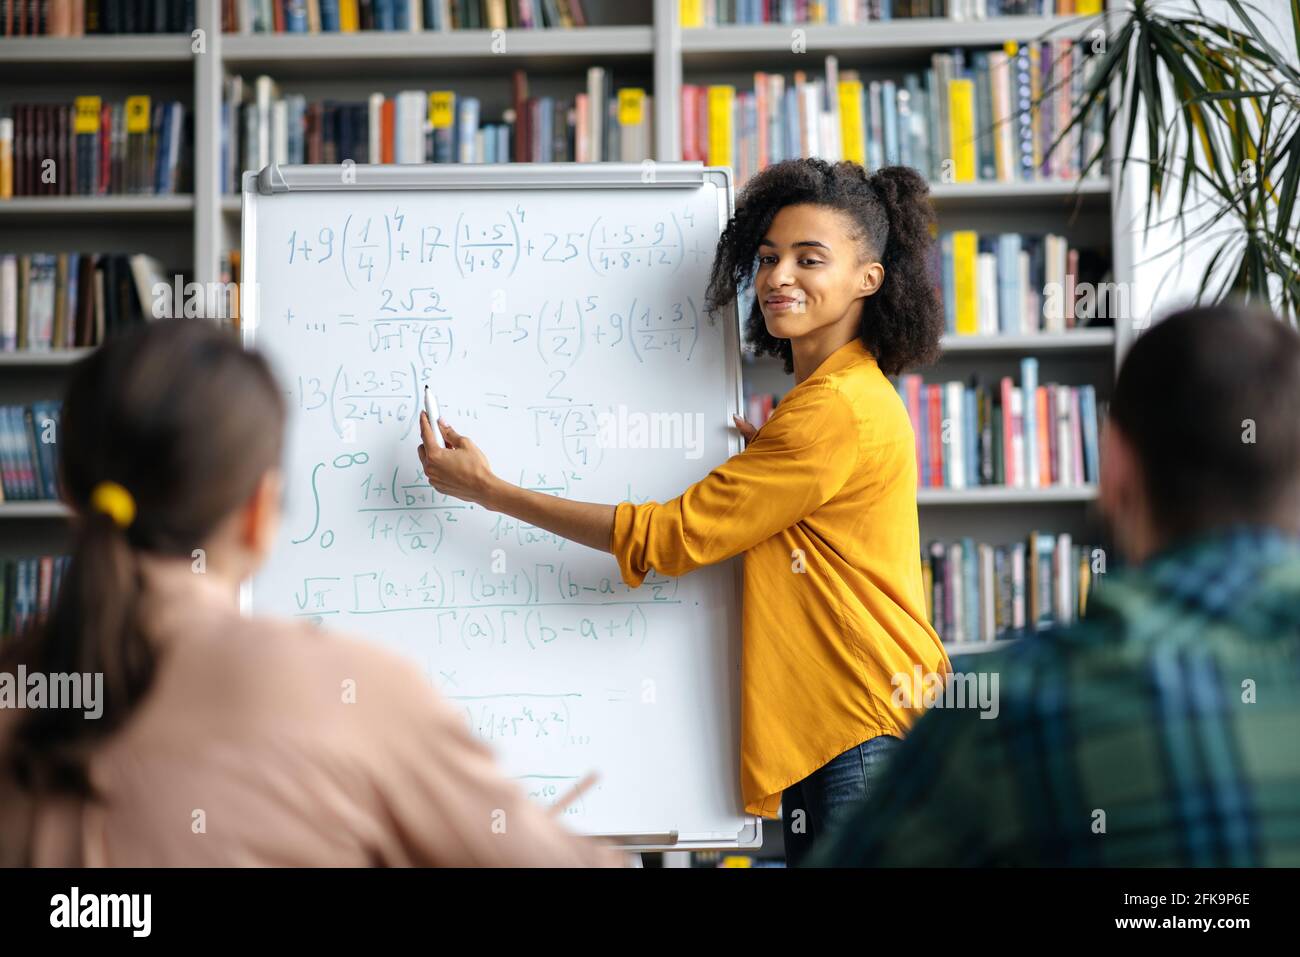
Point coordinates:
[(894, 224), (188, 422)]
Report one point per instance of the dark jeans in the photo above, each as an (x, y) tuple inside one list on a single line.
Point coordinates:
[(829, 793)]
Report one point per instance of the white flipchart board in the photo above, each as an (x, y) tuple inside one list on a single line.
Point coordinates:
[(556, 311)]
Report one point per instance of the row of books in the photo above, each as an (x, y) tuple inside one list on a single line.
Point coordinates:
[(74, 18), (92, 148), (956, 123), (879, 123), (28, 589), (983, 592), (349, 16), (1017, 283), (960, 433), (54, 301), (28, 460), (1030, 435), (708, 13), (262, 126)]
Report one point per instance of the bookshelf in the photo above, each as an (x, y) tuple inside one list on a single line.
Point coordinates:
[(641, 42)]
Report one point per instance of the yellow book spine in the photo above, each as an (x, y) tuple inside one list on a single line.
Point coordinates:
[(6, 165), (1086, 8), (87, 114), (721, 107), (965, 249), (961, 129), (631, 106), (138, 116), (692, 13), (349, 16), (852, 134), (442, 109)]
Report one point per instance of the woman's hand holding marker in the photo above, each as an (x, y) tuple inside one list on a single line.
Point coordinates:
[(452, 463), (431, 410)]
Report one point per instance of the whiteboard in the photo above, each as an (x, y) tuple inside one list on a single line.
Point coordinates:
[(556, 311)]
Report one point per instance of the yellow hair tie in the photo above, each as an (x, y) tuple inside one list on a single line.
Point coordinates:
[(114, 501)]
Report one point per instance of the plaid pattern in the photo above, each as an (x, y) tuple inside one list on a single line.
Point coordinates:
[(1138, 720)]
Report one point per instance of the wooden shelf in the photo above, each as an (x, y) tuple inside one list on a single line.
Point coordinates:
[(34, 510), (977, 647), (890, 41), (93, 207), (167, 47), (1078, 339), (56, 60), (958, 195), (55, 357), (1000, 495)]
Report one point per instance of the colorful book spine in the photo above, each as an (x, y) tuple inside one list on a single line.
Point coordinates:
[(981, 592)]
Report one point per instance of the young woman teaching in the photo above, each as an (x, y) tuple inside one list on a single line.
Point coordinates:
[(822, 501)]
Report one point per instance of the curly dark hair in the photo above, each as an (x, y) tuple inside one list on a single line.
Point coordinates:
[(893, 224)]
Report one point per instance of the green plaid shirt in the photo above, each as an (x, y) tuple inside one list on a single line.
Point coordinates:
[(1164, 729)]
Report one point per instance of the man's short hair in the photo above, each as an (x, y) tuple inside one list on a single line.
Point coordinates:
[(1210, 400)]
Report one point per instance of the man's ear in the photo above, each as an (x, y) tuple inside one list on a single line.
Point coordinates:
[(262, 513), (1122, 495)]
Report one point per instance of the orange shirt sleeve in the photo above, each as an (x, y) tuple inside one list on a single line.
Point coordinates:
[(800, 458)]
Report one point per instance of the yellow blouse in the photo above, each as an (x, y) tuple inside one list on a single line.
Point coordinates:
[(823, 504)]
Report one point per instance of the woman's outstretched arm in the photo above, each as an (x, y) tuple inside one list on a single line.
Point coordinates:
[(799, 460), (462, 470)]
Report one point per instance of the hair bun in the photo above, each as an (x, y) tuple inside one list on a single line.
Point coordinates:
[(899, 181)]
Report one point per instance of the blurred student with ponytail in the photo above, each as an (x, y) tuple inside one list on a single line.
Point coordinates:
[(822, 501), (224, 740)]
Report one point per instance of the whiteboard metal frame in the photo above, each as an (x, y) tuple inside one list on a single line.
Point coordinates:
[(275, 180)]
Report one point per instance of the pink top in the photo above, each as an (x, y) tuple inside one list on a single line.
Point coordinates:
[(246, 751)]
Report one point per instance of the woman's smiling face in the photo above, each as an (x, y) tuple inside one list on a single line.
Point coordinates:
[(809, 273)]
